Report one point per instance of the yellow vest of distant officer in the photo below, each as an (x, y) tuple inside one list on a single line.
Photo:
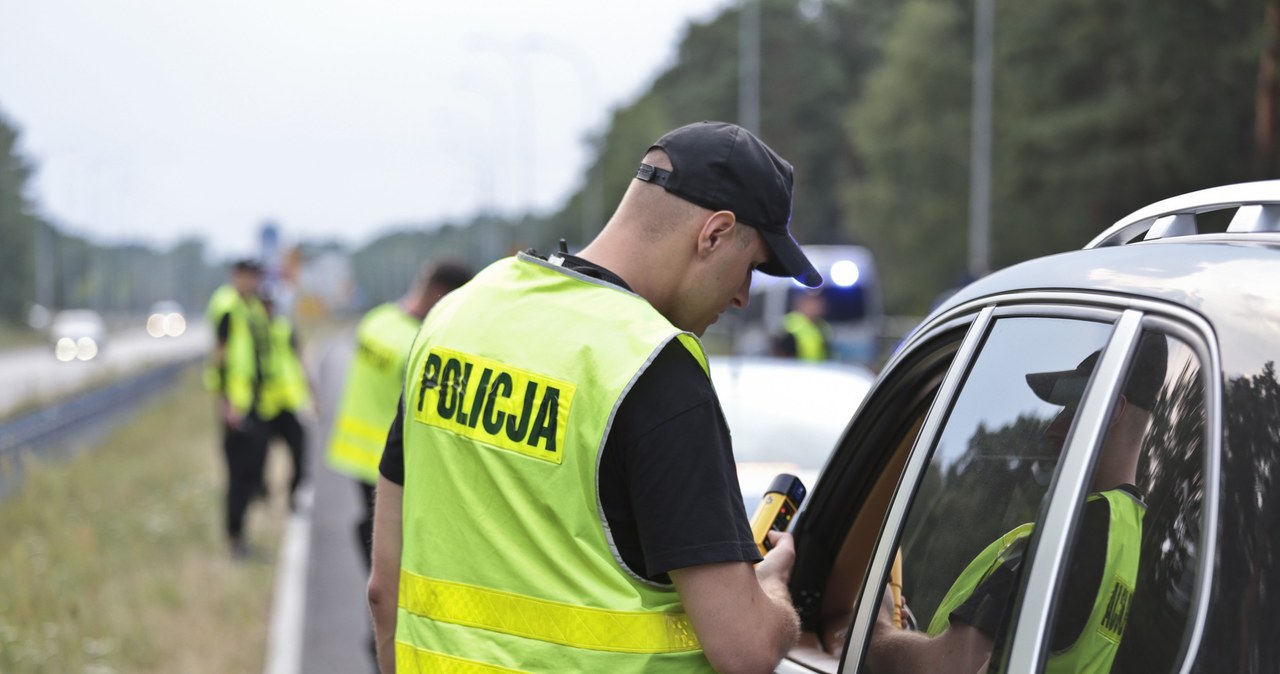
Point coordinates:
[(238, 379), (372, 390), (285, 386), (811, 339), (507, 566)]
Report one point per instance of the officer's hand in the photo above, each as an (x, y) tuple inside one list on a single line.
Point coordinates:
[(778, 561), (230, 416)]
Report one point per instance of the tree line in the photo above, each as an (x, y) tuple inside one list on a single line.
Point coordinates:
[(1100, 107)]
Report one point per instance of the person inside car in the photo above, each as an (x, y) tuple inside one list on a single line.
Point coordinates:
[(970, 623)]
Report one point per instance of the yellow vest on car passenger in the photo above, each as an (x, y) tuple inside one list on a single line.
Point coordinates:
[(507, 563), (239, 379), (1095, 648), (372, 391)]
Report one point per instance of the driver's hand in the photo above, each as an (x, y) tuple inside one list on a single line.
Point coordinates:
[(885, 614)]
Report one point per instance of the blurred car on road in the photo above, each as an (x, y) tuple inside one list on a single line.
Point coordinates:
[(77, 334), (1135, 378), (166, 319), (785, 415)]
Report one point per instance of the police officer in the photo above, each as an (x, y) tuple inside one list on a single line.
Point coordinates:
[(374, 379), (558, 492), (807, 336), (967, 632), (235, 372), (285, 391)]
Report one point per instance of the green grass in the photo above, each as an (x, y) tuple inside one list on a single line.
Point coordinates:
[(116, 561)]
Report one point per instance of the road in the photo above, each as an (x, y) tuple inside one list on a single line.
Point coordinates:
[(325, 629), (335, 628), (33, 374)]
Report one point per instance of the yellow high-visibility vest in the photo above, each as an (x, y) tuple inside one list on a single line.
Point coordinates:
[(240, 377), (372, 391), (507, 564), (811, 338), (284, 388)]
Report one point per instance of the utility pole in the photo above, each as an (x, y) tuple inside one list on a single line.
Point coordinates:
[(749, 66), (980, 148)]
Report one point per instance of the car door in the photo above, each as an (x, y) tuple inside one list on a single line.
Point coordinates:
[(962, 460)]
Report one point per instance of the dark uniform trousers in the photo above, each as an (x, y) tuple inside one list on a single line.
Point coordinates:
[(246, 453)]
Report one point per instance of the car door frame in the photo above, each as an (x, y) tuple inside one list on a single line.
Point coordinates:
[(1127, 319)]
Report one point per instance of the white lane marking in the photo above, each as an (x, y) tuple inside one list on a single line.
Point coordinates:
[(288, 606)]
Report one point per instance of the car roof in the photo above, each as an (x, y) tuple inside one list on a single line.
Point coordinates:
[(1157, 253), (1211, 275)]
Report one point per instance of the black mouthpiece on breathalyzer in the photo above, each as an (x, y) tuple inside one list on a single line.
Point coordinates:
[(781, 501)]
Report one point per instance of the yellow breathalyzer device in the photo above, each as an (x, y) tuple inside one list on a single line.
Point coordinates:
[(781, 501)]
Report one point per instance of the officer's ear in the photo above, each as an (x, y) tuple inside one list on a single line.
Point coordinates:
[(716, 232), (1122, 403)]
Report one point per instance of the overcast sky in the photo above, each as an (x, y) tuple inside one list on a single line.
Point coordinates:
[(158, 119)]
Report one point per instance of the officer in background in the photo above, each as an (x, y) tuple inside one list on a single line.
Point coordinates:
[(285, 392), (806, 336), (235, 373), (374, 379), (558, 492)]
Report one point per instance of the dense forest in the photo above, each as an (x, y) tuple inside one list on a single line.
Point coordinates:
[(1099, 107)]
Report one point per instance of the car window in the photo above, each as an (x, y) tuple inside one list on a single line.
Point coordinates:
[(1126, 594), (836, 533), (970, 520)]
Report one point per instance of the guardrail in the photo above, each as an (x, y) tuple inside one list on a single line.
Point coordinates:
[(35, 432)]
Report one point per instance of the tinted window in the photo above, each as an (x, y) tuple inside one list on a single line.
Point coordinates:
[(1130, 571), (986, 479)]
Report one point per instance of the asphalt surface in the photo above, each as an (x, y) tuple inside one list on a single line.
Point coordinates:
[(32, 374), (336, 628)]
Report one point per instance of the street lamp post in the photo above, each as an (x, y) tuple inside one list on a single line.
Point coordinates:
[(749, 66), (980, 151)]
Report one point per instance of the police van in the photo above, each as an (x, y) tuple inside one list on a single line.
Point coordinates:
[(851, 289)]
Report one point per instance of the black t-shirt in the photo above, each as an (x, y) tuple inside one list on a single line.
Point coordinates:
[(990, 607), (667, 479)]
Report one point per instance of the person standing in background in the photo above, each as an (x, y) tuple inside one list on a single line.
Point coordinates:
[(285, 392), (806, 336), (374, 379), (235, 373)]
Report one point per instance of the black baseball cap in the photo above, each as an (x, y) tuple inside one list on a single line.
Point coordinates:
[(724, 167), (1142, 388), (248, 265)]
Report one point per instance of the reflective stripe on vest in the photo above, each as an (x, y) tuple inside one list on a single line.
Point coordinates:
[(372, 391), (811, 343), (1095, 649), (566, 624), (509, 394)]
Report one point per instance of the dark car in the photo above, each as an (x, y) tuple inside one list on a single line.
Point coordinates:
[(1078, 456)]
